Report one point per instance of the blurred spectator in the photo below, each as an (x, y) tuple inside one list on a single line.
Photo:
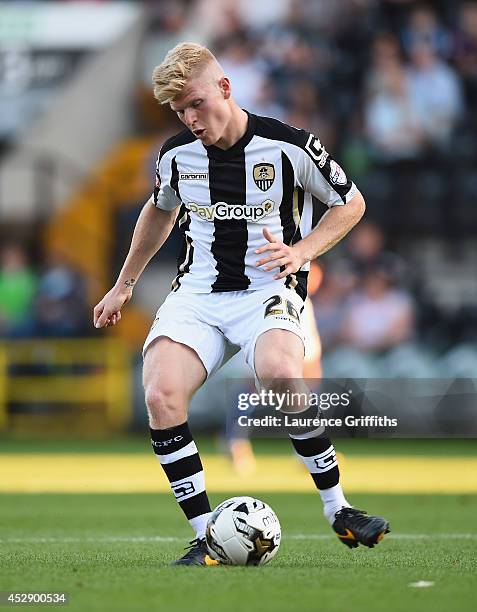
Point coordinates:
[(264, 13), (209, 17), (168, 16), (305, 111), (61, 307), (303, 60), (330, 302), (435, 93), (293, 49), (394, 13), (165, 22), (466, 49), (17, 287), (391, 120), (333, 17), (267, 103), (385, 55), (391, 123), (365, 252), (358, 302), (246, 74), (423, 27), (379, 316)]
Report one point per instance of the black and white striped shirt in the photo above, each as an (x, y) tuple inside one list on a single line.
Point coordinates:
[(276, 176)]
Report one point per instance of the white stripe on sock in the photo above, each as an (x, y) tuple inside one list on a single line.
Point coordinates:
[(309, 434), (199, 523), (321, 463), (186, 451), (189, 486), (333, 500)]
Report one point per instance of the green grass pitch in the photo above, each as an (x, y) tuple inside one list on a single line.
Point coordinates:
[(111, 552)]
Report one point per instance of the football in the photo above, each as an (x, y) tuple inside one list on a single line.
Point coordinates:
[(243, 531)]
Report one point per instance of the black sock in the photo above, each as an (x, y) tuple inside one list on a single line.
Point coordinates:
[(177, 453), (318, 455)]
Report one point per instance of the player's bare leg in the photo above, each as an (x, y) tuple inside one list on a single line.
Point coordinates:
[(279, 356), (172, 373), (240, 448)]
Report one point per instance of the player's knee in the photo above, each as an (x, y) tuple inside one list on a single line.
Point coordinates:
[(278, 368), (164, 404)]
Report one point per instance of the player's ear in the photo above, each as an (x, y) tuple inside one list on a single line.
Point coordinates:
[(225, 87)]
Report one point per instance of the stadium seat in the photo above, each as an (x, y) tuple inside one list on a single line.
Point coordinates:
[(347, 362), (459, 362), (408, 361)]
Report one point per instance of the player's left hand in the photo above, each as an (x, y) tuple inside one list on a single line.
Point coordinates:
[(280, 255)]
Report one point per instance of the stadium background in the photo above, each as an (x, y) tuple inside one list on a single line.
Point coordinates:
[(390, 87)]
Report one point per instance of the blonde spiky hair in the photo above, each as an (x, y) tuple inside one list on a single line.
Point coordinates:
[(180, 63)]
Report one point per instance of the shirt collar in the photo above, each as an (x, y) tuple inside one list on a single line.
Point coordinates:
[(239, 146)]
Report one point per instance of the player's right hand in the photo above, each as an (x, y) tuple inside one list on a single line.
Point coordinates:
[(108, 311)]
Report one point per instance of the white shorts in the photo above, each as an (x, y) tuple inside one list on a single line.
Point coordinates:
[(218, 325)]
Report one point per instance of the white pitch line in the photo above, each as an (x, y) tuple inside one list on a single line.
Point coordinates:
[(394, 536), (297, 536), (103, 540)]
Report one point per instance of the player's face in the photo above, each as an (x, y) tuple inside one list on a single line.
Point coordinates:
[(203, 108)]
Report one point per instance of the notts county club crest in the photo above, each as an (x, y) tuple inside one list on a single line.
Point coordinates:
[(264, 175)]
